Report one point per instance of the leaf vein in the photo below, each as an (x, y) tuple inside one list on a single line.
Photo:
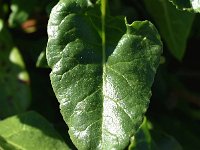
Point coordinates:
[(121, 75), (93, 92)]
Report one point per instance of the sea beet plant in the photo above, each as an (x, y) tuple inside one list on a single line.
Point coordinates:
[(102, 66)]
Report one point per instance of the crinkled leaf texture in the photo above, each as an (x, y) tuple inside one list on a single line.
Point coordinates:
[(103, 95), (29, 131), (189, 5)]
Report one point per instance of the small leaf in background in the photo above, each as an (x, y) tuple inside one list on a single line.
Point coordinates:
[(184, 129), (29, 131), (142, 140), (4, 9), (14, 80), (189, 5), (103, 95), (173, 24), (148, 139), (42, 60), (164, 141), (21, 10)]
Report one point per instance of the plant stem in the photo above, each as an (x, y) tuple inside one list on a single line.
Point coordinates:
[(103, 36), (103, 17)]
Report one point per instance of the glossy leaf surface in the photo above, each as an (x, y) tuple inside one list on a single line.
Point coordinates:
[(189, 5), (14, 80), (174, 25), (29, 131), (103, 95)]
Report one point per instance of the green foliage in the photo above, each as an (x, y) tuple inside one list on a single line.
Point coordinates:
[(189, 5), (172, 24), (149, 139), (20, 12), (101, 69), (42, 61), (29, 131), (14, 80), (23, 10), (89, 83)]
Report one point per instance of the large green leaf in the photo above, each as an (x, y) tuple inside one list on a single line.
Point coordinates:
[(29, 131), (14, 80), (103, 89), (189, 5), (174, 25)]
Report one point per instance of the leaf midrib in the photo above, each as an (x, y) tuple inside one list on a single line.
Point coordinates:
[(103, 11), (103, 15)]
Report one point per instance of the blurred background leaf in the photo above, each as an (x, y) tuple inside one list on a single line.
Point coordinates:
[(147, 138), (29, 131), (174, 25), (14, 79)]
